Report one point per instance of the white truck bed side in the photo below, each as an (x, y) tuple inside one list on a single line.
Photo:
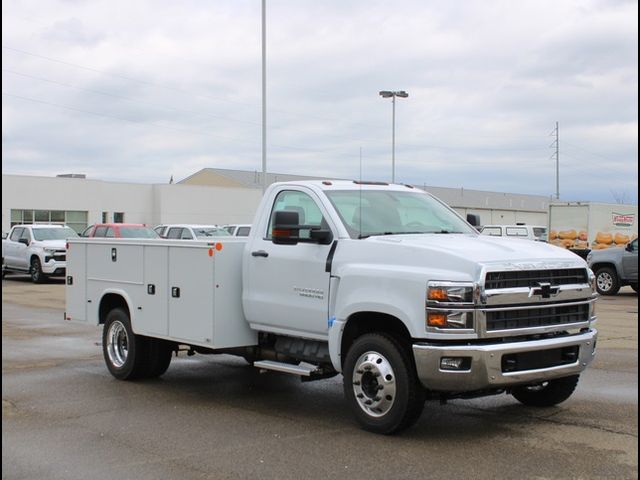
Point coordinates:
[(179, 291)]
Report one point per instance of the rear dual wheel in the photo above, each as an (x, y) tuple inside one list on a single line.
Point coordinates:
[(129, 356)]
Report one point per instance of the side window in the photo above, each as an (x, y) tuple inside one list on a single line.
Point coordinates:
[(634, 245), (26, 234), (100, 232), (243, 231), (186, 234), (174, 233), (15, 235), (110, 233), (309, 213), (516, 231)]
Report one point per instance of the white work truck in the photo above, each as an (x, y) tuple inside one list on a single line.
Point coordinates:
[(382, 283)]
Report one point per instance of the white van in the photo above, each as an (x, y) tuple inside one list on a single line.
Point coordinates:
[(527, 232)]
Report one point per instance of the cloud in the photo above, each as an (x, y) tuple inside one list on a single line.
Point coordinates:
[(139, 91)]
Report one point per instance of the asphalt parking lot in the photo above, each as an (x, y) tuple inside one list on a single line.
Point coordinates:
[(215, 417)]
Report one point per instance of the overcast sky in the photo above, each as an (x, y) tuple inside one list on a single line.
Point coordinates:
[(140, 91)]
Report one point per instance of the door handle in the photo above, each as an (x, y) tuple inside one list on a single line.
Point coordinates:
[(260, 253)]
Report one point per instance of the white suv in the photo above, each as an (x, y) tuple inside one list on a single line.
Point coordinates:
[(190, 232), (527, 232)]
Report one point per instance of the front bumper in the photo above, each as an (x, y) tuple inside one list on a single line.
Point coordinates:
[(54, 268), (486, 370)]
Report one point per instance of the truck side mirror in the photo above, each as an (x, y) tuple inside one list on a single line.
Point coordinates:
[(473, 219), (24, 240), (629, 247), (323, 237), (286, 228)]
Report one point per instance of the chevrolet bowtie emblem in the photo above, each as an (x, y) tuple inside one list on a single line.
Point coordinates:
[(544, 289)]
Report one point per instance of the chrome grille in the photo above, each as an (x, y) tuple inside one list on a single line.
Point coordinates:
[(536, 317), (531, 278)]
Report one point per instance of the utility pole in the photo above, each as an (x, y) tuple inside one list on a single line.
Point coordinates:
[(556, 143), (264, 96)]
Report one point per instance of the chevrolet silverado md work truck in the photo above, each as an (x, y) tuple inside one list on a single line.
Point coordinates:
[(382, 283)]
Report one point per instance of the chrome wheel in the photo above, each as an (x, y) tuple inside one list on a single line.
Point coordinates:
[(374, 384), (117, 344), (604, 281)]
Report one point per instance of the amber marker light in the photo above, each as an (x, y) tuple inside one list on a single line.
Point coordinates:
[(438, 294), (436, 319)]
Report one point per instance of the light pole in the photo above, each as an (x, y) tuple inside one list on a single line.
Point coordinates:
[(393, 95)]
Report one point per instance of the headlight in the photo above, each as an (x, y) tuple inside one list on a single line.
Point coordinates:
[(449, 305), (449, 293), (49, 250), (592, 281), (450, 319)]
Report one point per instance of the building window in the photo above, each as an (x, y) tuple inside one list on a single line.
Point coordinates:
[(105, 217), (118, 217), (74, 219)]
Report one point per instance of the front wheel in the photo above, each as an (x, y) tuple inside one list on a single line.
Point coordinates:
[(607, 282), (37, 276), (546, 394), (381, 385)]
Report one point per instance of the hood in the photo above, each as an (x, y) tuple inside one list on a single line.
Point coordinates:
[(483, 248), (57, 244), (456, 256)]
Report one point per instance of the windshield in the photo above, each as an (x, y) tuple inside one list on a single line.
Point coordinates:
[(137, 232), (53, 233), (211, 232), (375, 212)]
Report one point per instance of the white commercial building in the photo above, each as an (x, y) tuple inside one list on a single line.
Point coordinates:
[(210, 196)]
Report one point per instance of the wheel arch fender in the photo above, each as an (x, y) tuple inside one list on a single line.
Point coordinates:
[(342, 333), (114, 298)]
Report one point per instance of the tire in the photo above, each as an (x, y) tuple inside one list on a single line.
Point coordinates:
[(159, 354), (36, 271), (381, 385), (607, 282), (548, 393), (125, 353)]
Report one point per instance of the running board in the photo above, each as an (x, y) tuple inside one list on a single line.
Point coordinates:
[(303, 369)]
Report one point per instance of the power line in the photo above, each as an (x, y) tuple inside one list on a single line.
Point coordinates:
[(129, 99)]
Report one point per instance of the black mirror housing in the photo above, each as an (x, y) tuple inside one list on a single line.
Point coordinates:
[(286, 228)]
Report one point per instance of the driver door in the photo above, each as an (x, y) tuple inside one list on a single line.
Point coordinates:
[(288, 287)]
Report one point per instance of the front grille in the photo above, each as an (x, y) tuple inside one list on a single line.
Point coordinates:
[(536, 317), (531, 278), (60, 257), (518, 362)]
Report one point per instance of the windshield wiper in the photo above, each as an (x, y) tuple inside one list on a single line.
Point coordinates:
[(445, 231), (367, 235)]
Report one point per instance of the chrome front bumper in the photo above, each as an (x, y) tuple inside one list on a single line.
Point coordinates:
[(486, 363)]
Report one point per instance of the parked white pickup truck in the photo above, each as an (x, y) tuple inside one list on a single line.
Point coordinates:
[(39, 250), (382, 283)]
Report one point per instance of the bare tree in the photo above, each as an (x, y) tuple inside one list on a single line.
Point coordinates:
[(620, 197)]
